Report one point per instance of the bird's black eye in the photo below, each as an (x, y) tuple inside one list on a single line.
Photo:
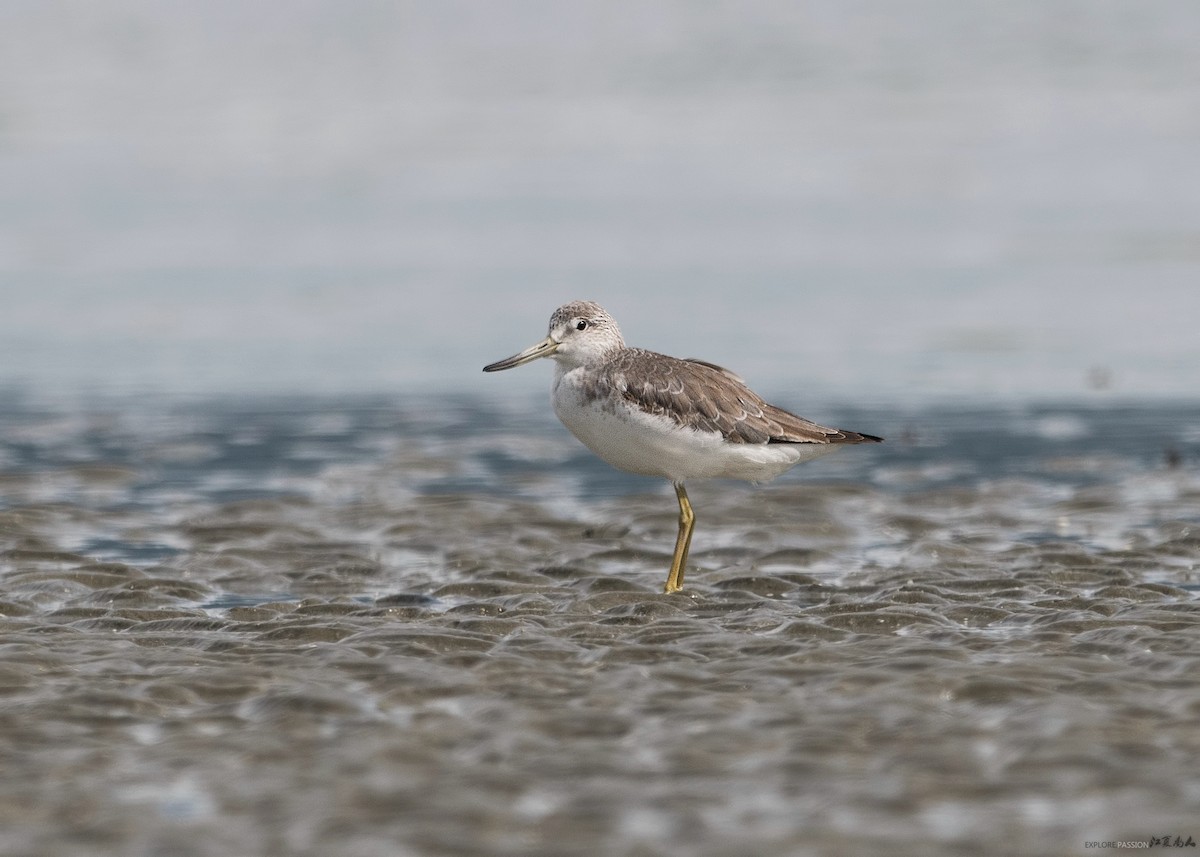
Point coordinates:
[(582, 324)]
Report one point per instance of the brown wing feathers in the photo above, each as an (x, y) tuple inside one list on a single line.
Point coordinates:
[(707, 397)]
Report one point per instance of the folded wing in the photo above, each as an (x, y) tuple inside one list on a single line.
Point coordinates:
[(705, 397)]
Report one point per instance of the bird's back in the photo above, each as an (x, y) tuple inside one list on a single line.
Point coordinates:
[(681, 419)]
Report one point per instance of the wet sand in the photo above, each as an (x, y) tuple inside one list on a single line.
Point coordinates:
[(313, 629)]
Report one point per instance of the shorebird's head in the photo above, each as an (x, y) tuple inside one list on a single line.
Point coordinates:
[(581, 333)]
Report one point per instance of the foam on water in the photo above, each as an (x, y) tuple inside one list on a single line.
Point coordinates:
[(241, 624)]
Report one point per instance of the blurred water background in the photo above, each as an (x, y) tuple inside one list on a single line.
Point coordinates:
[(839, 199), (282, 572)]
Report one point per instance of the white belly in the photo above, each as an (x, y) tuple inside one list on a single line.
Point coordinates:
[(631, 439)]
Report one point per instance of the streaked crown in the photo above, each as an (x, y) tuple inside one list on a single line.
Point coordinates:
[(586, 333)]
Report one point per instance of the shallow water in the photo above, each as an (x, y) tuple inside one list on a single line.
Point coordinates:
[(357, 626)]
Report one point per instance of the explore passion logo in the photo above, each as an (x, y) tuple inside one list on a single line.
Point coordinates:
[(1168, 841)]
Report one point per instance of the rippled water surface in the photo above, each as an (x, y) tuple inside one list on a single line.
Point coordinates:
[(357, 627)]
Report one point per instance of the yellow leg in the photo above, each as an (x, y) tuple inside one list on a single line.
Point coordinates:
[(687, 521)]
